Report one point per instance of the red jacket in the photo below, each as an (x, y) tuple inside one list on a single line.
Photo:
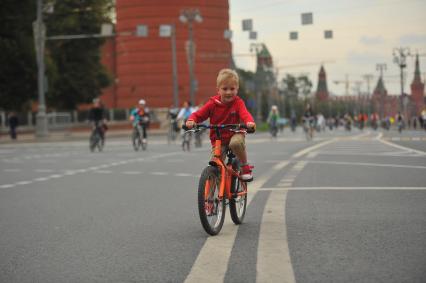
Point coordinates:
[(234, 112)]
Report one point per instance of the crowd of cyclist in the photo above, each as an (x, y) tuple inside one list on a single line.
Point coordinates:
[(140, 117)]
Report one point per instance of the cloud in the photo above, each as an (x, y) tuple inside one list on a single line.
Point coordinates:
[(408, 39), (355, 57), (371, 40)]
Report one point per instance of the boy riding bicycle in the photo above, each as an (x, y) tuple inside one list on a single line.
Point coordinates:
[(227, 108)]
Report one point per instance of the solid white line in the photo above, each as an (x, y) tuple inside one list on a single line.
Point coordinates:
[(273, 256), (214, 256), (340, 188), (402, 147), (368, 164)]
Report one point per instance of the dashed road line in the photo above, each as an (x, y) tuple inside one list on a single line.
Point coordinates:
[(273, 256), (221, 247)]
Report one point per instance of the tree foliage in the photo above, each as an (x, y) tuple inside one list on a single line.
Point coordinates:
[(18, 75), (76, 74), (74, 70)]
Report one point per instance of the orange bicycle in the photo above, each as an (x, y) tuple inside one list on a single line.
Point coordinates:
[(220, 184)]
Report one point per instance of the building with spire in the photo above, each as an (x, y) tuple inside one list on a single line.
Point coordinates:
[(417, 90), (384, 104), (322, 90)]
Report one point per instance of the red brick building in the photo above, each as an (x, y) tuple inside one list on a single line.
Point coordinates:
[(322, 91), (417, 90), (142, 66)]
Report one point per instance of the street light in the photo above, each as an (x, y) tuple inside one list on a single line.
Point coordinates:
[(40, 34), (256, 47), (170, 31), (189, 16), (400, 58)]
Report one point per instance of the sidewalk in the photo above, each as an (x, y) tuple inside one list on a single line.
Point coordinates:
[(73, 135)]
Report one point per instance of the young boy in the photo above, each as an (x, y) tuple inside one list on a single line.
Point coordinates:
[(227, 108)]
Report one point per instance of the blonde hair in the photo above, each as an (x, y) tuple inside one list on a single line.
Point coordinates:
[(227, 75)]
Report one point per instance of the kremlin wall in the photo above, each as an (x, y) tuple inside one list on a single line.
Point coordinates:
[(142, 66)]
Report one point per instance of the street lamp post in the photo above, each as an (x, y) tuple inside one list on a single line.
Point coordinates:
[(400, 58), (40, 33), (189, 16), (258, 89)]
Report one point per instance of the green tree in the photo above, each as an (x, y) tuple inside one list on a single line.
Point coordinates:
[(76, 74), (18, 75)]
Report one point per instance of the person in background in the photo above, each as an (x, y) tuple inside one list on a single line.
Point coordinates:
[(140, 117), (13, 124), (97, 116)]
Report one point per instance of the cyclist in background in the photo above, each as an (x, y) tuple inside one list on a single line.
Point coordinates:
[(97, 118), (272, 120), (183, 116), (140, 118), (308, 120)]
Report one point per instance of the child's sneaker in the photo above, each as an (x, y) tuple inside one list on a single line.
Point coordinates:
[(246, 174)]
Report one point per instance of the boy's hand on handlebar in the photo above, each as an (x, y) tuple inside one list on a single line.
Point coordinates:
[(190, 124), (251, 125)]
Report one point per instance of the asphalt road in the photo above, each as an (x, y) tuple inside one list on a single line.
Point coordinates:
[(345, 207)]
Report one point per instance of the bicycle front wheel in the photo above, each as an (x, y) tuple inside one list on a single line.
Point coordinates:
[(238, 202), (210, 207)]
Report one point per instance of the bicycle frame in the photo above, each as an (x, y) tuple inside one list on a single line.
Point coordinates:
[(226, 172)]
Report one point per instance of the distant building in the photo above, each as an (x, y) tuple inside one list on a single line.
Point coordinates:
[(142, 66), (417, 90), (322, 90), (384, 104)]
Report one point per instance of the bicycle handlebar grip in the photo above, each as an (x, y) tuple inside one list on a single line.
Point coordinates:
[(251, 130)]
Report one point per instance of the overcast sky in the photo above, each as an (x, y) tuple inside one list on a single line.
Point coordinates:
[(365, 33)]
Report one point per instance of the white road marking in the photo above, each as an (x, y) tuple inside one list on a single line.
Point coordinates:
[(183, 175), (312, 148), (340, 188), (367, 164), (221, 247), (132, 172), (158, 173), (402, 147), (7, 186), (273, 256), (23, 183), (44, 170)]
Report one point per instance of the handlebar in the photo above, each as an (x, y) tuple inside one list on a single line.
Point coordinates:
[(198, 127)]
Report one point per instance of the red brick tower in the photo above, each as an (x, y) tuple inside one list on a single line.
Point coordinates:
[(322, 91), (143, 65), (417, 89)]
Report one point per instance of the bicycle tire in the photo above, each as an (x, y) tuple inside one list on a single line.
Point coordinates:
[(238, 205), (93, 142), (144, 145), (212, 205), (136, 142)]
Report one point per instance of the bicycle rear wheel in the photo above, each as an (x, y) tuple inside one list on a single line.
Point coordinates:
[(238, 202), (94, 140), (211, 209)]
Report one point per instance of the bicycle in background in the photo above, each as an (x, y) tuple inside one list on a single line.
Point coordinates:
[(97, 139), (137, 137)]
